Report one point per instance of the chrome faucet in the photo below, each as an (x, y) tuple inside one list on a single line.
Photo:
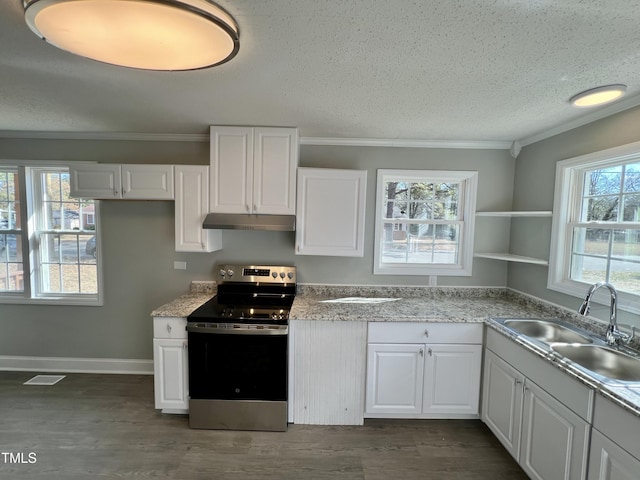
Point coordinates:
[(613, 335)]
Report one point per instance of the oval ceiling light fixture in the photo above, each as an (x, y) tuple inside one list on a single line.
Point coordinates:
[(598, 96), (144, 34)]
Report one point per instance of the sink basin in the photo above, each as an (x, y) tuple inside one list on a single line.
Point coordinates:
[(604, 361), (546, 331)]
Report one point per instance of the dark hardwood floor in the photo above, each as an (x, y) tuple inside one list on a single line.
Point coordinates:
[(105, 426)]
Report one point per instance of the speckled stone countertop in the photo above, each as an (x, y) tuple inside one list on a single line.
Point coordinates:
[(411, 304), (199, 293)]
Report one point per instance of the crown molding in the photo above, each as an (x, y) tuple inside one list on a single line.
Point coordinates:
[(407, 143), (606, 111), (115, 136), (191, 137)]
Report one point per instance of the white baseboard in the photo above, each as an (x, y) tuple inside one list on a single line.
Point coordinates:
[(76, 365)]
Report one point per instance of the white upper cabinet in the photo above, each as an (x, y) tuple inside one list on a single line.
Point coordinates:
[(191, 206), (330, 212), (253, 170), (114, 181)]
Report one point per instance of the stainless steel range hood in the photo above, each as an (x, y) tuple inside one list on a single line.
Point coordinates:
[(232, 221)]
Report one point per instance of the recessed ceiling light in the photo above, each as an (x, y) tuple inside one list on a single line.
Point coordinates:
[(145, 34), (598, 96)]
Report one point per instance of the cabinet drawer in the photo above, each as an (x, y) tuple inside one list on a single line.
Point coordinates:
[(412, 332), (169, 327)]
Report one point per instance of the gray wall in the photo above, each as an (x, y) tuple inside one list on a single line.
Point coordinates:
[(534, 185), (138, 244)]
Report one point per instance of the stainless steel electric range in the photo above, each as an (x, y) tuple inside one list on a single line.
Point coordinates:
[(238, 343)]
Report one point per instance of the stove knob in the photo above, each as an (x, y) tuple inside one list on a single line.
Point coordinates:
[(290, 275), (274, 274), (274, 316), (281, 274), (222, 273), (230, 273)]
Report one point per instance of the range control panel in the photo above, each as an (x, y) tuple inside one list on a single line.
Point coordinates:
[(256, 274)]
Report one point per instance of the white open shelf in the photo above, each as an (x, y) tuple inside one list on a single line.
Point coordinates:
[(512, 258), (508, 257)]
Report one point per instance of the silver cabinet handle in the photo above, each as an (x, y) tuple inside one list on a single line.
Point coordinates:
[(426, 333), (422, 352), (168, 327), (430, 352)]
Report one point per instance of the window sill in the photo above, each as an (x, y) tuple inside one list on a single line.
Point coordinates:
[(59, 301)]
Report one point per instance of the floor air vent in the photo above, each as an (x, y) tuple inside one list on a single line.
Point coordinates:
[(44, 380)]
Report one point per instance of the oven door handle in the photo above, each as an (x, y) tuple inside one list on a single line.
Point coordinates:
[(239, 330)]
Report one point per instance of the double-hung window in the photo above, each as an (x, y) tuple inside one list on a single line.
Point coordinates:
[(48, 240), (424, 222), (596, 229)]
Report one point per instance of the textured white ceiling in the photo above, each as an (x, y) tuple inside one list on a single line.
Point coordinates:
[(480, 70)]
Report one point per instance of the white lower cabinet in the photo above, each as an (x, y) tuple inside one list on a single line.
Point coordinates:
[(548, 437), (608, 461), (170, 365), (555, 441), (423, 380), (502, 401), (615, 449)]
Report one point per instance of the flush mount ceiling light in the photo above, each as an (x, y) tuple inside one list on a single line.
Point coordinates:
[(598, 96), (145, 34)]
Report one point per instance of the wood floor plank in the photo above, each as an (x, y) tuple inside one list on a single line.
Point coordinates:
[(105, 426)]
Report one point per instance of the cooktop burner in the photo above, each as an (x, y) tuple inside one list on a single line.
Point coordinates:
[(250, 294)]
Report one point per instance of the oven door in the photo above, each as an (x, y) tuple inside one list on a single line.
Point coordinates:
[(237, 362)]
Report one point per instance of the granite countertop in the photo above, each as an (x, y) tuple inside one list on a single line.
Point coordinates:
[(199, 293), (412, 304)]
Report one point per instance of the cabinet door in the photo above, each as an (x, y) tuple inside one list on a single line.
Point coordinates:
[(502, 401), (274, 170), (330, 212), (607, 461), (452, 379), (394, 378), (171, 383), (95, 181), (231, 169), (147, 182), (191, 206), (555, 440)]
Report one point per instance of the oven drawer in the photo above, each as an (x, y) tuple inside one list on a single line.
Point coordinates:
[(169, 327)]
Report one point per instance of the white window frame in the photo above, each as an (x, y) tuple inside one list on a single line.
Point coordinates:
[(568, 189), (468, 181), (30, 199)]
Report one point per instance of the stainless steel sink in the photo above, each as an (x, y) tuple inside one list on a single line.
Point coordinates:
[(546, 331), (602, 360)]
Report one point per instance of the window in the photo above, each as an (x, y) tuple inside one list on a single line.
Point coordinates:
[(424, 222), (60, 261), (596, 230)]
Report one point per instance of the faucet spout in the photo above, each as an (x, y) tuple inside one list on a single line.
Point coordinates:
[(613, 335)]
